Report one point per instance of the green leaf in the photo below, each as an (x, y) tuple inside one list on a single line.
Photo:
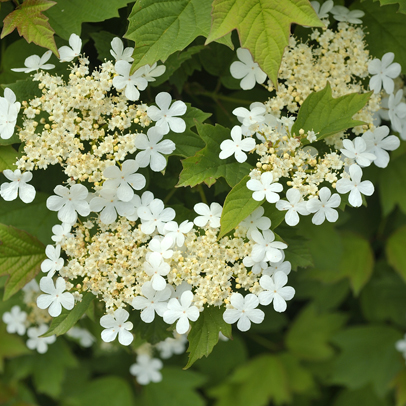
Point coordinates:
[(154, 332), (395, 251), (102, 42), (386, 30), (238, 205), (32, 24), (310, 333), (204, 334), (34, 218), (61, 324), (21, 256), (263, 26), (177, 388), (368, 356), (359, 397), (400, 386), (400, 3), (10, 346), (297, 253), (206, 166), (160, 28), (66, 17), (326, 115), (8, 157)]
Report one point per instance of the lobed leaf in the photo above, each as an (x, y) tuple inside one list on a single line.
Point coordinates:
[(263, 26), (400, 3), (326, 115), (21, 256)]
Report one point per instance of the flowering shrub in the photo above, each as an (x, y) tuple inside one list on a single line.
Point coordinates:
[(122, 244)]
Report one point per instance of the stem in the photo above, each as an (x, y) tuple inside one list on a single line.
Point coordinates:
[(264, 342), (169, 195), (216, 97), (201, 193)]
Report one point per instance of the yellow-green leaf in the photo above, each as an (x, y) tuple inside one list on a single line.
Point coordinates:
[(8, 157)]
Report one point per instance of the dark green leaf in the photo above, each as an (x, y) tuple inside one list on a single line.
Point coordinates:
[(395, 251)]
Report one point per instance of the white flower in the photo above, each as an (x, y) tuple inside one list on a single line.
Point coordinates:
[(61, 231), (69, 203), (323, 206), (17, 186), (247, 70), (357, 150), (124, 180), (143, 201), (120, 53), (153, 149), (276, 291), (165, 116), (160, 247), (266, 248), (151, 72), (397, 110), (9, 109), (378, 142), (257, 266), (34, 62), (236, 146), (183, 287), (147, 369), (132, 84), (383, 73), (117, 324), (67, 54), (244, 311), (355, 186), (35, 342), (54, 262), (323, 11), (294, 205), (109, 205), (265, 188), (85, 338), (401, 346), (155, 216), (15, 320), (256, 221), (208, 214), (55, 297), (255, 115), (171, 346), (282, 265), (341, 13), (156, 267), (181, 310), (177, 233), (153, 302)]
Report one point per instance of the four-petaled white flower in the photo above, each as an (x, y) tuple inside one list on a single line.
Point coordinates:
[(236, 146), (147, 369), (183, 287), (355, 186), (183, 311), (282, 265), (153, 149), (151, 72), (323, 11), (15, 320), (165, 116), (132, 84), (357, 150), (171, 346), (156, 267), (383, 72), (257, 266), (34, 62), (109, 205), (120, 53), (244, 311), (54, 262), (67, 54), (255, 115), (177, 233), (117, 324), (153, 302), (247, 70), (294, 205), (36, 342), (85, 338), (208, 214), (397, 110), (55, 298), (69, 203), (160, 247), (341, 13), (61, 231), (323, 206), (265, 188), (378, 142), (155, 216), (275, 291), (256, 221), (124, 180), (18, 186), (9, 109), (143, 201), (266, 248)]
